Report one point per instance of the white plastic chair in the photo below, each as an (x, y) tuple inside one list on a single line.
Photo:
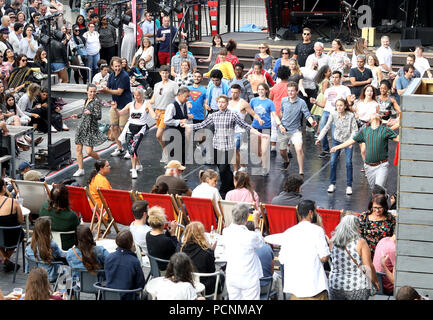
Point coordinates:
[(198, 275), (57, 237)]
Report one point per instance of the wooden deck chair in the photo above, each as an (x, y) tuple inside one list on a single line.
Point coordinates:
[(99, 213), (79, 203), (33, 193), (280, 218), (117, 204), (165, 201), (203, 210), (226, 208), (330, 219)]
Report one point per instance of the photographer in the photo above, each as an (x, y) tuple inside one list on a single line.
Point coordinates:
[(58, 56)]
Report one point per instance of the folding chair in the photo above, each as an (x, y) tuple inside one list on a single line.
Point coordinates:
[(330, 219), (226, 208), (165, 201), (155, 270), (117, 204), (86, 281), (99, 212), (279, 218), (20, 242), (33, 193), (57, 238), (203, 210), (79, 202), (105, 293)]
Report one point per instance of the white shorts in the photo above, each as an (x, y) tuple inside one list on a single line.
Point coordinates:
[(284, 138)]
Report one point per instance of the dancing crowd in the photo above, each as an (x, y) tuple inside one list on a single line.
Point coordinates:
[(271, 106)]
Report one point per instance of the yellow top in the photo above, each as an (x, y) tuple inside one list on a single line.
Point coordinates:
[(99, 181), (226, 68)]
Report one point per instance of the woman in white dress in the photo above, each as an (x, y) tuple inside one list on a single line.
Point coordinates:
[(128, 42)]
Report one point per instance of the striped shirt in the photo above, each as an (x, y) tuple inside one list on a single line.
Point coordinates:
[(224, 122), (376, 142)]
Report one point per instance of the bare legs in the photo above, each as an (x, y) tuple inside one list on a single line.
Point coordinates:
[(90, 152)]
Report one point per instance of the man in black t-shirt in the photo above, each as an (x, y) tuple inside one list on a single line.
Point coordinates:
[(360, 76), (304, 49)]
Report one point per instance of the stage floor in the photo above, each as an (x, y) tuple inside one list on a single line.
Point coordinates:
[(314, 187)]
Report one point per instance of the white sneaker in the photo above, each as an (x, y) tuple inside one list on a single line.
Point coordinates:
[(127, 155), (138, 168), (331, 188), (164, 158), (349, 191), (134, 174), (53, 130), (116, 153), (79, 173), (65, 127)]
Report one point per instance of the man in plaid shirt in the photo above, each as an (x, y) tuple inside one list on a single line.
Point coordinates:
[(223, 141)]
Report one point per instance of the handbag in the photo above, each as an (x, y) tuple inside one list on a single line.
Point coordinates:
[(373, 290)]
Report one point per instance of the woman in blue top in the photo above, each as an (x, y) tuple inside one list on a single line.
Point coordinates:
[(86, 254), (45, 248), (282, 61), (265, 109)]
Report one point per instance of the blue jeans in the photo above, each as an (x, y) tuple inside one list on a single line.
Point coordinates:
[(334, 160), (92, 63), (323, 121)]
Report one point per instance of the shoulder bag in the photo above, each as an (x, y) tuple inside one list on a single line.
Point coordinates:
[(372, 288)]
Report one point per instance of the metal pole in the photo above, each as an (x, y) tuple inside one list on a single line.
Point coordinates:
[(171, 26)]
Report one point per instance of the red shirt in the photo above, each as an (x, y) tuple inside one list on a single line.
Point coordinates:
[(278, 92)]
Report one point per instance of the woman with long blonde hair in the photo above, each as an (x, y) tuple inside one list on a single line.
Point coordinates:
[(201, 252), (38, 287)]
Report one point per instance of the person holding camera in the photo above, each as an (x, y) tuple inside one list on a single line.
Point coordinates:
[(77, 46)]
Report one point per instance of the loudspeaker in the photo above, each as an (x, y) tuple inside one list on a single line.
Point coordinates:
[(59, 152), (425, 35), (285, 34), (406, 45)]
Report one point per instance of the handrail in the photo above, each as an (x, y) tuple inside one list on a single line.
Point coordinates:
[(82, 67)]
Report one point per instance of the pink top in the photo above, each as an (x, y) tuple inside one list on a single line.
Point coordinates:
[(386, 246), (242, 195)]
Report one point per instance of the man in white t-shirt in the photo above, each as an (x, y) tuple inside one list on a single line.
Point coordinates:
[(304, 250), (138, 227), (421, 64), (318, 56), (384, 55), (331, 95)]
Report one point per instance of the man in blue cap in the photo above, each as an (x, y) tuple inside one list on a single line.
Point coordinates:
[(23, 167)]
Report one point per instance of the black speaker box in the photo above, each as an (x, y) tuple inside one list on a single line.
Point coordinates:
[(285, 34), (407, 45), (425, 35), (59, 153), (152, 6)]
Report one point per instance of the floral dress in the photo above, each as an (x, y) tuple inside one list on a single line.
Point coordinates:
[(374, 231), (88, 133)]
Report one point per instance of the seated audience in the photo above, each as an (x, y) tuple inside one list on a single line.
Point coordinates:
[(138, 227), (101, 78), (377, 223), (139, 75), (384, 261), (207, 187), (62, 217), (122, 267), (38, 287), (160, 244), (243, 191), (185, 77), (349, 254), (160, 188), (172, 177), (10, 216), (178, 283), (85, 254), (290, 194), (197, 247), (98, 179), (43, 249)]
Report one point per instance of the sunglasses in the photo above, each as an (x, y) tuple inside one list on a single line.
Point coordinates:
[(285, 53), (262, 47), (76, 30), (24, 60), (307, 34)]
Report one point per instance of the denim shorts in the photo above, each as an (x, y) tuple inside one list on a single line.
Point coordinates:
[(57, 66), (239, 137)]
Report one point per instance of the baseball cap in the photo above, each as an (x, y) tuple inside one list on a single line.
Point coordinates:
[(4, 30), (174, 164), (24, 165)]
